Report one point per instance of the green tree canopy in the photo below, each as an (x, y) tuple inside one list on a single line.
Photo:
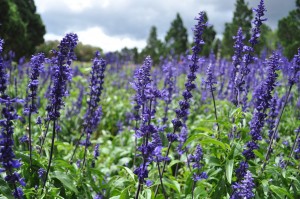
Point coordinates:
[(21, 27), (289, 31), (176, 38), (209, 35), (242, 17), (154, 46)]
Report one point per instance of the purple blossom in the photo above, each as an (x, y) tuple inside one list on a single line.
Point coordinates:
[(3, 75), (258, 21), (41, 173), (210, 80), (7, 156), (61, 74), (295, 69), (248, 51), (183, 111), (99, 196), (195, 160), (36, 64), (145, 97), (263, 97), (24, 139), (242, 170), (297, 149), (243, 190), (237, 59), (94, 111)]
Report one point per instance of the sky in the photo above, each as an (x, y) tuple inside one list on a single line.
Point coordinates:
[(115, 24)]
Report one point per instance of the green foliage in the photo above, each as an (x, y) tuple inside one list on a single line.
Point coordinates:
[(21, 27), (154, 47), (209, 35), (242, 17), (83, 52), (176, 38), (289, 32)]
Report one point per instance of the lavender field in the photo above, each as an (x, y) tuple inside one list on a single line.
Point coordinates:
[(188, 127)]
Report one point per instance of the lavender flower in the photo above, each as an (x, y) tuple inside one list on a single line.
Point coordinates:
[(146, 94), (96, 154), (3, 75), (36, 64), (7, 156), (24, 139), (99, 196), (169, 84), (248, 57), (94, 111), (242, 170), (297, 144), (210, 80), (61, 73), (273, 113), (197, 157), (260, 12), (237, 62), (41, 173), (243, 190), (182, 112), (295, 69), (263, 96)]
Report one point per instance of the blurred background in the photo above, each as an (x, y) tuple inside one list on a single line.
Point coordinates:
[(141, 28)]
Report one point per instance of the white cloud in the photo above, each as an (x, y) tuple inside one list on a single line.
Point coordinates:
[(128, 22), (96, 37)]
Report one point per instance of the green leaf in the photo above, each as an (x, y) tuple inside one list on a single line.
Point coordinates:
[(229, 169), (65, 180), (280, 191), (131, 174), (5, 190), (265, 185), (172, 184), (193, 137), (115, 197), (207, 141), (148, 193), (125, 193), (258, 154)]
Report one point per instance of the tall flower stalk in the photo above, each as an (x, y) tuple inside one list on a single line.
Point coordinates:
[(8, 160), (248, 57), (94, 111), (293, 79), (61, 75), (184, 105), (150, 149), (263, 97), (195, 160), (36, 64), (210, 81)]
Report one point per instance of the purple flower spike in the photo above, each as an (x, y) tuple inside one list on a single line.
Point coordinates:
[(260, 12), (244, 188)]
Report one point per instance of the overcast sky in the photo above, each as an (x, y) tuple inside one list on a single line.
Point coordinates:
[(114, 24)]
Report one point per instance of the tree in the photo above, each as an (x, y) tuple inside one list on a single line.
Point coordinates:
[(209, 35), (177, 38), (267, 40), (21, 28), (154, 46), (242, 17), (289, 31)]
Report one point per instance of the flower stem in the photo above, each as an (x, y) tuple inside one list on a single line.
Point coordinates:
[(51, 154), (275, 131), (76, 146)]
